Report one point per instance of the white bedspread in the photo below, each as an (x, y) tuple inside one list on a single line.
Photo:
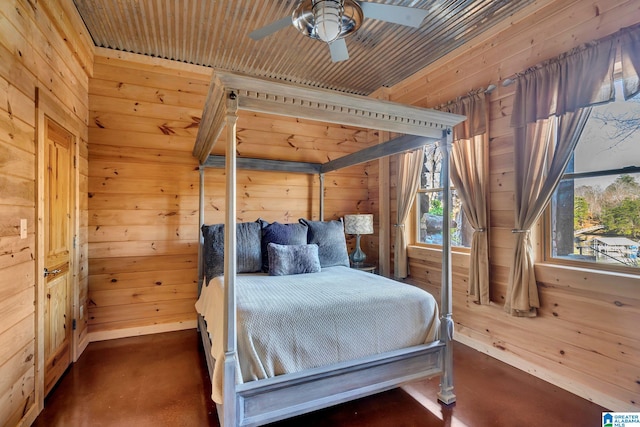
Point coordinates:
[(292, 323)]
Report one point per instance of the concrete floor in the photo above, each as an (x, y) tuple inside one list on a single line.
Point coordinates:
[(161, 380)]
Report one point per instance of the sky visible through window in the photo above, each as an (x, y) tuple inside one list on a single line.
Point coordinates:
[(597, 219), (611, 139)]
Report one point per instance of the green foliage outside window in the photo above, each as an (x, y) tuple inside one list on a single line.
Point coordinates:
[(616, 208), (623, 218), (580, 212), (436, 207)]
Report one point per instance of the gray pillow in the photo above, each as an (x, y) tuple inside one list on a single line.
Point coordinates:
[(329, 236), (292, 259), (281, 234), (248, 249)]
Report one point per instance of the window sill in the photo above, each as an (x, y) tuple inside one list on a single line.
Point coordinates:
[(581, 269), (605, 268), (438, 248)]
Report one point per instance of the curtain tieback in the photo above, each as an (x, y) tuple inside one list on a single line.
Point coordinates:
[(480, 230), (515, 230), (398, 225)]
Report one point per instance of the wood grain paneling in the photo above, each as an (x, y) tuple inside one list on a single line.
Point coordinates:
[(143, 187), (585, 338), (42, 45), (136, 245)]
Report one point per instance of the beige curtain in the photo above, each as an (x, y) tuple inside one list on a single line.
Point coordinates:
[(469, 174), (540, 161), (630, 58), (409, 167), (548, 117)]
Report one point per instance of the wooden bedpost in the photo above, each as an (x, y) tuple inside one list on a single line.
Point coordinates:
[(446, 395), (230, 411)]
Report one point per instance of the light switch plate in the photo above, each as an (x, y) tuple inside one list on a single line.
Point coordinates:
[(23, 228)]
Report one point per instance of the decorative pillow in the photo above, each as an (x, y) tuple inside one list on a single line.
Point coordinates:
[(329, 236), (248, 249), (292, 259), (280, 234)]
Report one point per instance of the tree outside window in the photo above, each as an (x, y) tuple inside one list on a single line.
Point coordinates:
[(429, 205), (595, 211)]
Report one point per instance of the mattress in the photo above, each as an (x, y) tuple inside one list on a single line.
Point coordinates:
[(291, 323)]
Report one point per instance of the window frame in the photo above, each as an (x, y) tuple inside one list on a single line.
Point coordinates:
[(586, 265), (547, 228), (415, 214)]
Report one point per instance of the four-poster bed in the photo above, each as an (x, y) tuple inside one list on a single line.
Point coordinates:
[(267, 400)]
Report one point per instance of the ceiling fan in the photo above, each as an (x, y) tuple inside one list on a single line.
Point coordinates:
[(332, 20)]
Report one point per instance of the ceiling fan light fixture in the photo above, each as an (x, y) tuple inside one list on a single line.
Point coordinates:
[(327, 20), (327, 15)]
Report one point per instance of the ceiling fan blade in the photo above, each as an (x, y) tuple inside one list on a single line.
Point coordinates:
[(338, 49), (410, 16), (265, 31)]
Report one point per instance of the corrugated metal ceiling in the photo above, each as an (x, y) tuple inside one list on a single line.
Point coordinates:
[(214, 33)]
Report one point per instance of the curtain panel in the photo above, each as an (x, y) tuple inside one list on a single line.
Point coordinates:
[(542, 152), (576, 79), (552, 104), (470, 177), (630, 58), (409, 167)]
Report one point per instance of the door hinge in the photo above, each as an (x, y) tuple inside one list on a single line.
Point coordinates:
[(73, 324)]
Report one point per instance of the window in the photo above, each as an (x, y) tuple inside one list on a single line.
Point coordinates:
[(429, 205), (595, 211)]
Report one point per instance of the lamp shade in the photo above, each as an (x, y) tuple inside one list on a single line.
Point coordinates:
[(358, 224), (326, 14)]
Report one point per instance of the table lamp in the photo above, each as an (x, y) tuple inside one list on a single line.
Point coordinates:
[(358, 224)]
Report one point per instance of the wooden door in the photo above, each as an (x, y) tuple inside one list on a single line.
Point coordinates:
[(57, 253)]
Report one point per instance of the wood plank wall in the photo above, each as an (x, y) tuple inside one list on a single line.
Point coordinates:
[(42, 44), (139, 222), (143, 192), (143, 187), (586, 337)]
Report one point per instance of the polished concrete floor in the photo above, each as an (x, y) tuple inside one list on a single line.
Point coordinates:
[(161, 380)]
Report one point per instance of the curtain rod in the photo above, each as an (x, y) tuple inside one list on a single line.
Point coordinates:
[(469, 94)]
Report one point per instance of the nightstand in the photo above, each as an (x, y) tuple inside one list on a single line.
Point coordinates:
[(364, 266)]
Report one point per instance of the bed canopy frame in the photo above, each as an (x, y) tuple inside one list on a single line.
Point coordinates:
[(263, 401)]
